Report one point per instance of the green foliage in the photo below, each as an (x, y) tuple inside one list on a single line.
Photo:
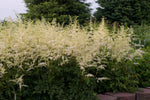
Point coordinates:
[(124, 11), (3, 22), (49, 82), (121, 77), (59, 9), (142, 33), (125, 76), (143, 68)]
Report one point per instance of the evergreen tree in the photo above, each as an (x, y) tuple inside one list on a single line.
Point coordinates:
[(59, 9), (124, 11)]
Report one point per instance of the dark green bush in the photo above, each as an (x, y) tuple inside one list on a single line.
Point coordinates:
[(51, 82), (125, 76), (122, 77), (143, 68)]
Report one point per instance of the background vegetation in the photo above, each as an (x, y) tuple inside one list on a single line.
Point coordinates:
[(130, 12), (62, 10)]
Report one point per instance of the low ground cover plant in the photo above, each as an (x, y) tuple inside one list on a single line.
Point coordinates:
[(36, 58)]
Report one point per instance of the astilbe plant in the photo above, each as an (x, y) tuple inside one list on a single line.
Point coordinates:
[(23, 44)]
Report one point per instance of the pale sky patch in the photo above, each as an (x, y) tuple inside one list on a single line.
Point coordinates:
[(9, 8), (94, 5)]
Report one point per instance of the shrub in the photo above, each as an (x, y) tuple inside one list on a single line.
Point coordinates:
[(31, 48), (143, 68), (121, 76), (50, 81)]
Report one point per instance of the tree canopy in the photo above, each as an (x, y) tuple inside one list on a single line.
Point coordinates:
[(124, 11), (59, 9)]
